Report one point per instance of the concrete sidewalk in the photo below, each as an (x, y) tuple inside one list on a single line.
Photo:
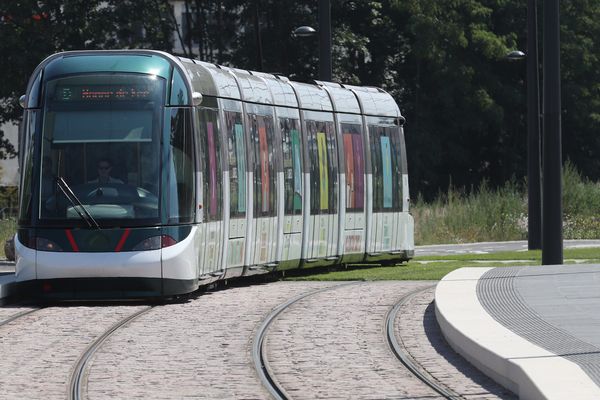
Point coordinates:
[(535, 330)]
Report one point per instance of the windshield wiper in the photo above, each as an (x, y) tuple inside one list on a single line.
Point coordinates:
[(86, 216)]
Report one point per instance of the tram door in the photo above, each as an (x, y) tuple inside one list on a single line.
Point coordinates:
[(353, 241), (210, 157), (263, 236), (293, 189), (385, 145), (236, 158), (323, 166)]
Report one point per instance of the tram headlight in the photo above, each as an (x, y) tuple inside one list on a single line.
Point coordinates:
[(44, 244), (155, 243)]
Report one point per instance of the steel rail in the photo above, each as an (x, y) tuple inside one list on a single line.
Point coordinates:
[(258, 350), (75, 385), (17, 316), (404, 356)]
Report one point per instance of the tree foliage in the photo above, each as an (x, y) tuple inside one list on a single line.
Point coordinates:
[(443, 60)]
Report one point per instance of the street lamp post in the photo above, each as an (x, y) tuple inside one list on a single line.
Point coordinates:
[(550, 201), (325, 63), (552, 233), (534, 187), (534, 201), (325, 40)]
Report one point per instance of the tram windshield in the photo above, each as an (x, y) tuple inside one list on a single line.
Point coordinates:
[(100, 158)]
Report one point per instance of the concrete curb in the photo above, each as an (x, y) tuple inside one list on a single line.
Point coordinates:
[(529, 371)]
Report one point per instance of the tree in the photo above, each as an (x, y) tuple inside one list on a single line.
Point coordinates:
[(31, 30), (464, 103), (442, 60)]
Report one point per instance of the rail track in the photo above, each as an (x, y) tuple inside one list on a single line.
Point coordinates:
[(270, 382), (404, 356), (17, 316), (77, 376), (258, 350)]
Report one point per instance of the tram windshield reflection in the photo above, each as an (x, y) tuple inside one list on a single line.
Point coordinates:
[(101, 136)]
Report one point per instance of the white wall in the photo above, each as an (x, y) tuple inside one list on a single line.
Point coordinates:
[(9, 175)]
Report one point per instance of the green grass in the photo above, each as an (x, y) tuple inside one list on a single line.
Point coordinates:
[(435, 267), (486, 214), (481, 215)]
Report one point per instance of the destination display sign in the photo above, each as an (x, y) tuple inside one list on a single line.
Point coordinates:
[(100, 93)]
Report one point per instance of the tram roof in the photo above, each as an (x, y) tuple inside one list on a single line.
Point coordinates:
[(375, 101), (237, 84), (105, 61), (261, 87), (283, 94), (344, 100)]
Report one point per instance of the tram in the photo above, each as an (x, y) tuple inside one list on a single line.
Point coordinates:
[(145, 174)]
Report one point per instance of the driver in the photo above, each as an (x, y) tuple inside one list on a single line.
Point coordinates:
[(104, 168)]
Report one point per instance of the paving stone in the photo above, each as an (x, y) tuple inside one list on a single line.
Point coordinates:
[(417, 329), (333, 346), (196, 350), (329, 345), (40, 350)]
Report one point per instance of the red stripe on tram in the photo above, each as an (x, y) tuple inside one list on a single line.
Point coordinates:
[(122, 240), (71, 240)]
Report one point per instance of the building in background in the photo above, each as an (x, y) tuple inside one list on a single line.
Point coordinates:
[(9, 168)]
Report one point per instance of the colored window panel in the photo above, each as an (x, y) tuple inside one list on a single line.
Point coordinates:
[(210, 163), (377, 167), (264, 167), (350, 178), (292, 166), (355, 167), (322, 158), (241, 167), (398, 164), (236, 150), (212, 170), (295, 136), (386, 166), (359, 172), (264, 184), (386, 144), (323, 171)]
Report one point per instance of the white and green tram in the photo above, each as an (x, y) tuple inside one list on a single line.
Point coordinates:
[(145, 174)]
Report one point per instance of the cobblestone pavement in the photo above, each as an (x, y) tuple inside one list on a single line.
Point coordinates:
[(332, 345), (39, 350), (418, 330), (8, 311), (328, 345), (200, 349)]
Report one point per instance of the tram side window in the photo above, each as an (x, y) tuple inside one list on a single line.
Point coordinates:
[(292, 165), (323, 167), (27, 167), (387, 175), (210, 150), (261, 131), (181, 168), (355, 167), (236, 149), (398, 165)]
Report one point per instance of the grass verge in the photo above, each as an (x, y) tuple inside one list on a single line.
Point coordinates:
[(497, 214), (435, 267)]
